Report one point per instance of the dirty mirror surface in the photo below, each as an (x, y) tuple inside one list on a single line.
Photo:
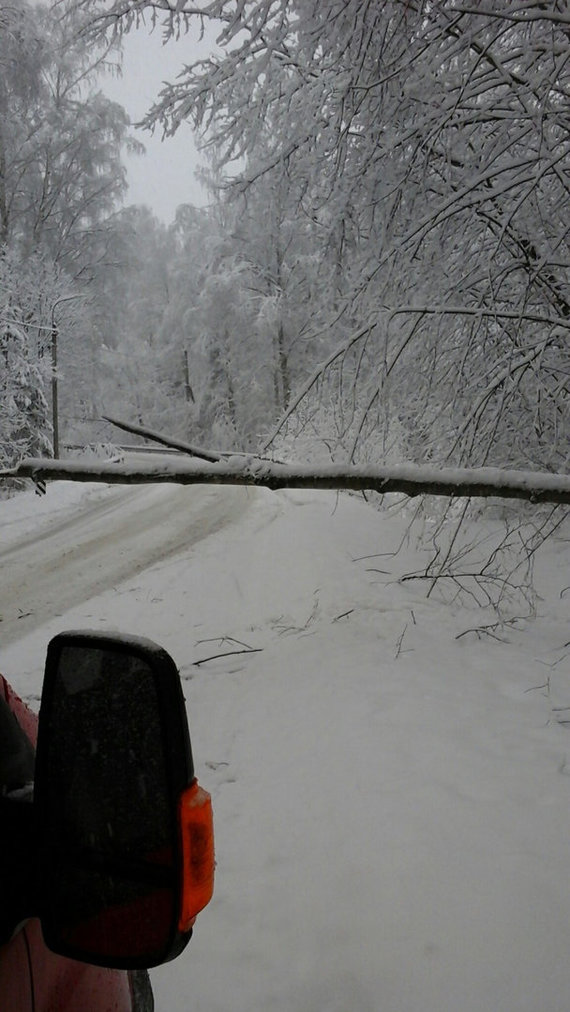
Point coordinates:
[(110, 835)]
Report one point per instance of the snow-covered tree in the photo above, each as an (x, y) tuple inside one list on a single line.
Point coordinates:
[(28, 297), (60, 139), (60, 179), (428, 146)]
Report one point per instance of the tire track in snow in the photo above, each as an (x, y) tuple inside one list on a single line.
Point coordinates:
[(104, 544)]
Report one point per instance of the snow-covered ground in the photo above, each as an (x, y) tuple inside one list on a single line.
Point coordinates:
[(104, 544), (392, 803)]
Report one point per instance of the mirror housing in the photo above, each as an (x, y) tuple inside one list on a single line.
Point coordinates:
[(125, 835)]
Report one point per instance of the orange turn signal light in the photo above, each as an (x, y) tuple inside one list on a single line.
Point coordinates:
[(196, 823)]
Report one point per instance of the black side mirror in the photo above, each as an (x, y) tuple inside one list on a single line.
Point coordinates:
[(125, 834)]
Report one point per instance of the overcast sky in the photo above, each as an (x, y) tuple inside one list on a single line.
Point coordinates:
[(165, 176)]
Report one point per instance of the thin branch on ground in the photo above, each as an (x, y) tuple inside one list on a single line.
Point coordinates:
[(228, 653)]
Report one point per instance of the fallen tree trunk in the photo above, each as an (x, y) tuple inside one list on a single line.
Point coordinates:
[(409, 479)]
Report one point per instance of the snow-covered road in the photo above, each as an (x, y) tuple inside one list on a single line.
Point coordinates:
[(391, 802), (118, 533)]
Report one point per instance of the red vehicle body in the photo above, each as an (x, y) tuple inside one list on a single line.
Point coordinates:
[(33, 979)]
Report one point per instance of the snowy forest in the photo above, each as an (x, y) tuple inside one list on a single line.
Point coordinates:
[(381, 273)]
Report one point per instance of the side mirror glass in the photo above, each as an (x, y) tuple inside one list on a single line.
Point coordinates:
[(125, 833)]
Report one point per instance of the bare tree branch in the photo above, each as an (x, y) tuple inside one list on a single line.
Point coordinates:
[(157, 437)]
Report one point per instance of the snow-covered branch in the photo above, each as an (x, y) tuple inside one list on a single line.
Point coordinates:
[(158, 437), (409, 479)]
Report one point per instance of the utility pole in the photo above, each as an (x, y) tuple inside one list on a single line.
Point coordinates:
[(54, 390), (54, 379)]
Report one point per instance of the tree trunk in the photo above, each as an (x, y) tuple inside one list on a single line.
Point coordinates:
[(484, 482)]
